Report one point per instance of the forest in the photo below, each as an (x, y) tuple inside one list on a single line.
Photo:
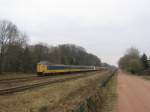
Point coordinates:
[(17, 55), (135, 62)]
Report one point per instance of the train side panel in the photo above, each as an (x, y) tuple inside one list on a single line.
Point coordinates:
[(43, 68)]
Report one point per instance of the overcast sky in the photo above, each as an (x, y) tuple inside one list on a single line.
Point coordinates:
[(103, 27)]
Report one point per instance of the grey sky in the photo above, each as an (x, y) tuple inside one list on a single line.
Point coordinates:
[(103, 27)]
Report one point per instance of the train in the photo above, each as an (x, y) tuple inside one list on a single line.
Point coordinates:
[(45, 68)]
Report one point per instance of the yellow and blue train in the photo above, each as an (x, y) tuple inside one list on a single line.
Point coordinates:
[(44, 68)]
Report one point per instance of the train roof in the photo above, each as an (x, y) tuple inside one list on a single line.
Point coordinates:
[(51, 64)]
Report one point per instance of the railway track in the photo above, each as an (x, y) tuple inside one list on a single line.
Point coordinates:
[(31, 78), (26, 87), (16, 79), (23, 79)]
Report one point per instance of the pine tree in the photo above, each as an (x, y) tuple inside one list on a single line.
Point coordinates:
[(145, 61)]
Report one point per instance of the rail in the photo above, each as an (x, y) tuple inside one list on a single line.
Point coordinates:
[(25, 87)]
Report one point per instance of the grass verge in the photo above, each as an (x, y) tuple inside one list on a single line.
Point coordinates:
[(111, 96)]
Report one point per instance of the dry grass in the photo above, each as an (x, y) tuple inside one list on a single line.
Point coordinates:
[(110, 102), (35, 80), (14, 75), (52, 98)]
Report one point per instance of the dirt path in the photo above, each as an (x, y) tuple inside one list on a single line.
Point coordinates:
[(133, 94)]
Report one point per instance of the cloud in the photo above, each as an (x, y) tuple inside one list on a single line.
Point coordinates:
[(103, 27)]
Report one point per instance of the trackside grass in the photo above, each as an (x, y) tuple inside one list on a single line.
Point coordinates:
[(59, 97)]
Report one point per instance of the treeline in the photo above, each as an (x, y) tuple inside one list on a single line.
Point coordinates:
[(135, 63), (16, 55)]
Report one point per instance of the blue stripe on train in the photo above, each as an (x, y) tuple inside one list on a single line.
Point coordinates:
[(66, 67), (55, 67)]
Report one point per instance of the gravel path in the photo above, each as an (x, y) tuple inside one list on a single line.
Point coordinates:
[(133, 94)]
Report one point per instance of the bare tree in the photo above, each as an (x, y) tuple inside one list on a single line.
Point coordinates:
[(17, 56), (131, 61), (8, 35), (133, 52)]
